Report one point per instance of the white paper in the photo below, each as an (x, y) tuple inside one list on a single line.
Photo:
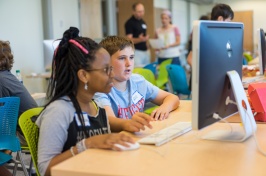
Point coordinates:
[(156, 43)]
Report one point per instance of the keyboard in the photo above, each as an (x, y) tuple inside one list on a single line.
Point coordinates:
[(164, 135)]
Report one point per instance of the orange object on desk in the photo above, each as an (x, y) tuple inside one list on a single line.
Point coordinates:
[(257, 95)]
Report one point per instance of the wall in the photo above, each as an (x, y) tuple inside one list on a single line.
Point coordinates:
[(180, 18), (91, 18), (165, 4), (64, 14), (21, 24)]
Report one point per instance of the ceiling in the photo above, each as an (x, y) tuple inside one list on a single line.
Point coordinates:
[(207, 2), (202, 1)]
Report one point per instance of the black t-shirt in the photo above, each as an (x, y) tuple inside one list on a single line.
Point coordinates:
[(136, 27)]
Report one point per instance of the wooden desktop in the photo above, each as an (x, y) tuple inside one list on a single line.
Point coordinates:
[(185, 155)]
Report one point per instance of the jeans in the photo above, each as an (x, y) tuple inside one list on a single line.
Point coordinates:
[(175, 60)]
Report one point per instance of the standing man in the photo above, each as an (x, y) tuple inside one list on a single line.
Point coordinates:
[(136, 31)]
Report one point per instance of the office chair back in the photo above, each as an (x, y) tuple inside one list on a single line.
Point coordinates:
[(146, 73), (31, 132), (152, 67), (9, 107), (4, 158), (178, 79), (162, 78)]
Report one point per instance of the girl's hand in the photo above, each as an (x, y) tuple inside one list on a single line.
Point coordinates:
[(107, 141)]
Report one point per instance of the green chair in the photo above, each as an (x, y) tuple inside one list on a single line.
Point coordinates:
[(31, 133), (248, 57), (146, 73), (162, 79), (149, 110)]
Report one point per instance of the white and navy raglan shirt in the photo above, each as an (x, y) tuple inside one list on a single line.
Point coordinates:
[(60, 129)]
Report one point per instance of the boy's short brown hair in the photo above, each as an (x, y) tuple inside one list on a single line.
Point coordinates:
[(116, 43)]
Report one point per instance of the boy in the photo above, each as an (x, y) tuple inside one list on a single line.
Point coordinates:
[(125, 103)]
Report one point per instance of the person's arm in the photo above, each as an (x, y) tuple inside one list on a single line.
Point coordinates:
[(141, 38), (167, 101), (105, 141), (189, 58), (138, 122)]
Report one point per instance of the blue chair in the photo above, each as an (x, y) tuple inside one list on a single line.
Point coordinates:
[(178, 80), (245, 62), (9, 107), (4, 158), (153, 67)]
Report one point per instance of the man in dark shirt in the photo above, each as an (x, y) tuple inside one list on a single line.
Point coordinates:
[(136, 29)]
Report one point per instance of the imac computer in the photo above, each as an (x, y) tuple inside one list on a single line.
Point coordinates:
[(48, 48), (217, 90), (261, 50)]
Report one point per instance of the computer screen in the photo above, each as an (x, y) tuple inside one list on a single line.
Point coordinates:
[(48, 48), (261, 50), (217, 49)]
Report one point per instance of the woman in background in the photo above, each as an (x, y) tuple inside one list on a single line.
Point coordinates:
[(170, 36)]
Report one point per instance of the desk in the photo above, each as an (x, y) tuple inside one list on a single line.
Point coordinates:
[(186, 155), (37, 96), (45, 75), (40, 98)]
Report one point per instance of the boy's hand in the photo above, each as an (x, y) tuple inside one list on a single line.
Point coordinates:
[(160, 113), (138, 122)]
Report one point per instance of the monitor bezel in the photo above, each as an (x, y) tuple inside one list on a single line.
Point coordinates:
[(195, 71), (261, 50)]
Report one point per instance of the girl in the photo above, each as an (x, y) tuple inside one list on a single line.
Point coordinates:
[(72, 122)]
